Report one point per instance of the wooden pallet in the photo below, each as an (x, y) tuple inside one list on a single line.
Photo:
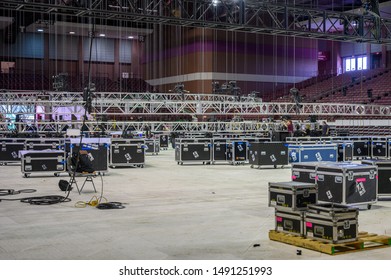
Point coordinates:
[(365, 241)]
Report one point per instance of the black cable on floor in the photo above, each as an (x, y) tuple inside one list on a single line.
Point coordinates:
[(37, 200), (4, 192), (110, 205)]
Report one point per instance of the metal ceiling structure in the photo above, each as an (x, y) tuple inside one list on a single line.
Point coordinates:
[(263, 17), (164, 126), (136, 104)]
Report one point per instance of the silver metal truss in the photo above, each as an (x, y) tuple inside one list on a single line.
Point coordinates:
[(128, 104), (255, 17), (164, 127)]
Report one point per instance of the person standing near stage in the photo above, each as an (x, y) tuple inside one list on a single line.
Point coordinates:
[(325, 129)]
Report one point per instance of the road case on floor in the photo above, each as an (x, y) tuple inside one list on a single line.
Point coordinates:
[(289, 221), (9, 150), (46, 161), (384, 175), (219, 150), (196, 150), (304, 172), (379, 148), (361, 147), (152, 146), (97, 150), (331, 223), (44, 144), (347, 183), (127, 152), (310, 153), (292, 195), (345, 150), (237, 152), (268, 153), (163, 141)]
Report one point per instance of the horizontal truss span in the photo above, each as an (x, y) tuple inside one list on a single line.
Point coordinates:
[(240, 15), (113, 126), (112, 104)]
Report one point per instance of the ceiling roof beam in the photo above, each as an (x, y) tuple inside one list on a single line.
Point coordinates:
[(263, 17)]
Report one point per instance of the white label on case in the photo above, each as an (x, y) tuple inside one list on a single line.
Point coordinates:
[(318, 156), (329, 195), (273, 202), (360, 188), (310, 234), (280, 228)]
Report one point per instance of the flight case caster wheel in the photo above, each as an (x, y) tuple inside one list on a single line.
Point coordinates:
[(26, 175)]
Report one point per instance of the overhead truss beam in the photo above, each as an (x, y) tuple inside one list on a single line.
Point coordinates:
[(114, 104), (257, 17)]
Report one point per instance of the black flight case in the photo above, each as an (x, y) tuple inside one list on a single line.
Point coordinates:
[(219, 151), (9, 150), (292, 195), (384, 175), (347, 183), (268, 153), (331, 223), (152, 146), (237, 152), (345, 150), (379, 147), (127, 152), (46, 161), (97, 150), (193, 150), (164, 141)]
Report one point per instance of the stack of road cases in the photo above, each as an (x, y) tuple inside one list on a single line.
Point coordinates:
[(9, 150), (347, 183), (331, 223), (384, 175), (46, 161), (268, 153), (290, 200), (127, 152), (193, 150)]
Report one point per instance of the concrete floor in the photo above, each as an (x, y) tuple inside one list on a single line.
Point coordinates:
[(189, 212)]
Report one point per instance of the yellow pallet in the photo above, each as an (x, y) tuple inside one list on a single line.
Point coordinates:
[(365, 241)]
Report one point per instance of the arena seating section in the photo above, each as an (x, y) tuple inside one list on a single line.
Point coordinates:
[(360, 87)]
